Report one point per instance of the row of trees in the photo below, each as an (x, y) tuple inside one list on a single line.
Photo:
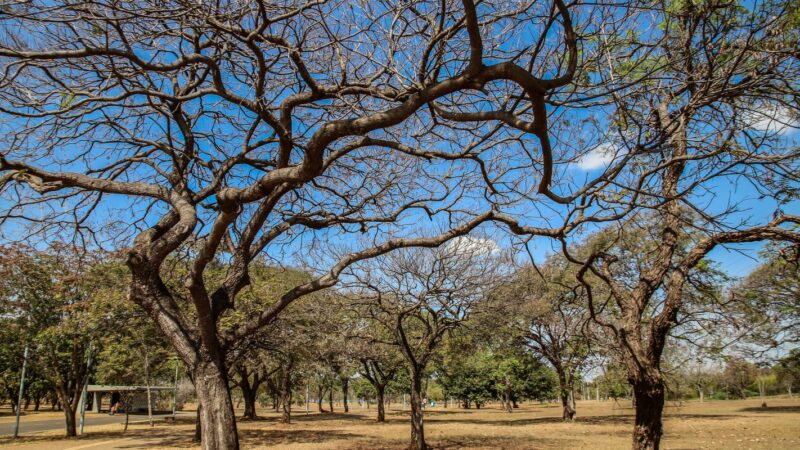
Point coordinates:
[(463, 323), (66, 315), (329, 133)]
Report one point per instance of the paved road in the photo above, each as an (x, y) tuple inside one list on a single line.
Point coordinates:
[(34, 426)]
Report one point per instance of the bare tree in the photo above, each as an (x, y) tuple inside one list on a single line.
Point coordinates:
[(379, 371), (419, 295), (241, 128), (370, 346), (709, 116), (548, 309)]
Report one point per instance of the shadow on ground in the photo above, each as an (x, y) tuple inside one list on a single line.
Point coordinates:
[(772, 409), (467, 441), (586, 420), (285, 437)]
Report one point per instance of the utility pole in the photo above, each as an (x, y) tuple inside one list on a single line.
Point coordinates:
[(21, 389), (85, 387)]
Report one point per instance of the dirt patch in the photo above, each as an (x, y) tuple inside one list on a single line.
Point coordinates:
[(732, 425)]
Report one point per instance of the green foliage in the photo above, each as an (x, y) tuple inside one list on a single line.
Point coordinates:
[(787, 370), (476, 378), (71, 307), (362, 388)]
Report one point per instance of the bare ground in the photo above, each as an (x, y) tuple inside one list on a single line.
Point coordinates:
[(740, 424)]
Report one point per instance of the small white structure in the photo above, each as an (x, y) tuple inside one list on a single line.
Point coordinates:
[(134, 397)]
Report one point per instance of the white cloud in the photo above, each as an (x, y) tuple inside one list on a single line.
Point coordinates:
[(772, 120), (472, 245), (600, 156)]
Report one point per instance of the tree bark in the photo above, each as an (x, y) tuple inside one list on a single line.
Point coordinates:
[(249, 391), (648, 429), (286, 394), (507, 402), (69, 407), (249, 398), (381, 390), (565, 392), (217, 417), (198, 426), (320, 394), (417, 424), (330, 399), (345, 387), (69, 417)]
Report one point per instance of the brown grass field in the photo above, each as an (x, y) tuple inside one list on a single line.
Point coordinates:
[(740, 424)]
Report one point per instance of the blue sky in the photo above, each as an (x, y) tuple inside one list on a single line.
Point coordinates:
[(590, 164)]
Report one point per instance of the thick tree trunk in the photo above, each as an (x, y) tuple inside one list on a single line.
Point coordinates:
[(198, 426), (567, 404), (330, 399), (567, 401), (217, 417), (320, 394), (286, 394), (417, 424), (249, 397), (69, 418), (507, 402), (286, 412), (249, 392), (249, 405), (69, 408), (345, 387), (649, 395), (381, 390)]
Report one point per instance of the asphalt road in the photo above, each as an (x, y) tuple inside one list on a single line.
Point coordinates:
[(34, 426)]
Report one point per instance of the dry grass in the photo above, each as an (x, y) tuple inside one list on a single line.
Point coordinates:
[(7, 416), (693, 425)]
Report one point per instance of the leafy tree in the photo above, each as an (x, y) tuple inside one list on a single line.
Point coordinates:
[(467, 378), (550, 312), (56, 297), (268, 357), (738, 376), (787, 370)]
